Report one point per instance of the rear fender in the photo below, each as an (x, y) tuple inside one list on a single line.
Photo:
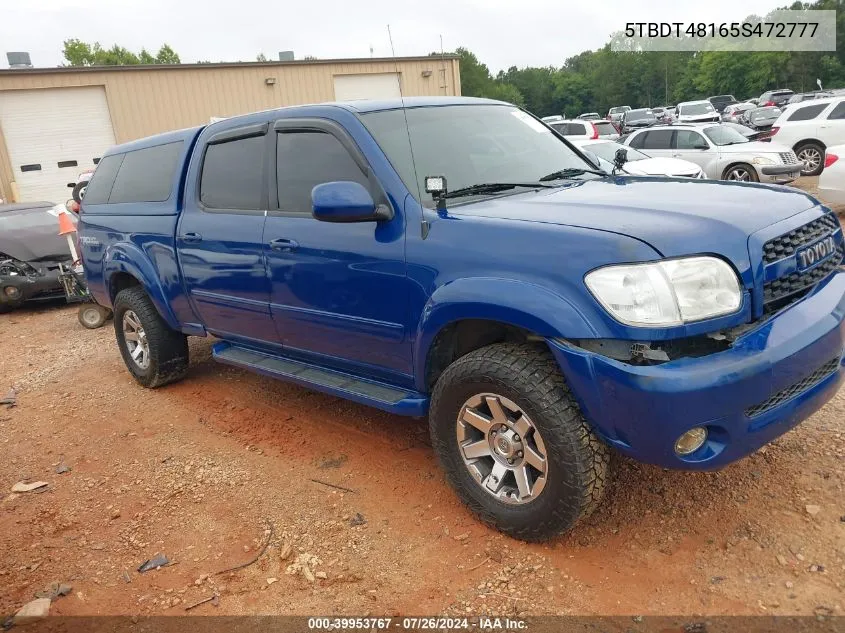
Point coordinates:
[(518, 303), (127, 258)]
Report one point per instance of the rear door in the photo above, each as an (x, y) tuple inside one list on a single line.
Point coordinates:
[(219, 237), (656, 143), (832, 125)]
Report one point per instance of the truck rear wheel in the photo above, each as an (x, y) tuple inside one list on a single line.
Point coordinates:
[(513, 442), (154, 354)]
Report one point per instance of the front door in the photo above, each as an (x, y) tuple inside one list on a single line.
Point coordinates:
[(220, 237), (692, 146), (339, 292)]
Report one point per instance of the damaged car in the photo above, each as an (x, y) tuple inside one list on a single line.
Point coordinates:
[(31, 252)]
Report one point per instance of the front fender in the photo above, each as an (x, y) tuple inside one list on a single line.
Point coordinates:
[(127, 258), (519, 303)]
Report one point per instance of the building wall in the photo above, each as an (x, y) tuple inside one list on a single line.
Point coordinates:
[(147, 100)]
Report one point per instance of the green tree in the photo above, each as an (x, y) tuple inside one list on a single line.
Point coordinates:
[(79, 53), (261, 57)]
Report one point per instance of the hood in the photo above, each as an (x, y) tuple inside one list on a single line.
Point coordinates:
[(676, 217), (661, 167), (31, 234), (754, 147)]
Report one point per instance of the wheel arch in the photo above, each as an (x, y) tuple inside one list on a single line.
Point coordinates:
[(468, 314), (807, 141), (125, 266)]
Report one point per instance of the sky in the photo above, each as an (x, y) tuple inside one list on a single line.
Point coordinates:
[(502, 33)]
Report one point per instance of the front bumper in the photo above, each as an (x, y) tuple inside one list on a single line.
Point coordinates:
[(29, 288), (765, 384), (780, 174)]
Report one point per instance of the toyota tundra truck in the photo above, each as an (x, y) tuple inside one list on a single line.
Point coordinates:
[(456, 259)]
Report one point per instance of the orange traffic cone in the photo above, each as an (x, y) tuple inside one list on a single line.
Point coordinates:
[(67, 228)]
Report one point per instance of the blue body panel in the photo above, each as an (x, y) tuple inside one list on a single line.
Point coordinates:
[(368, 300)]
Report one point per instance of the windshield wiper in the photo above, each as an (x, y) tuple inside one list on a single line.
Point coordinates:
[(492, 187), (570, 172)]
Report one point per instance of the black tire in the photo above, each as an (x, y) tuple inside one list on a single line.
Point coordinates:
[(578, 462), (8, 307), (92, 315), (741, 168), (79, 191), (168, 349), (813, 152)]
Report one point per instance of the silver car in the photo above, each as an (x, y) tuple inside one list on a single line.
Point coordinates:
[(721, 151)]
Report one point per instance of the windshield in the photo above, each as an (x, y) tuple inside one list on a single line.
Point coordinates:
[(619, 109), (469, 145), (742, 129), (639, 115), (607, 151), (695, 109), (724, 135)]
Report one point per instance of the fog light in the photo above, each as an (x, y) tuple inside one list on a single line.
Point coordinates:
[(11, 292), (691, 441)]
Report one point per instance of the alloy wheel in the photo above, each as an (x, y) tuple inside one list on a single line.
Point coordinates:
[(811, 158), (502, 448), (136, 339)]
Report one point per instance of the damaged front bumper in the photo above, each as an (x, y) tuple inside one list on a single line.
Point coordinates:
[(22, 281)]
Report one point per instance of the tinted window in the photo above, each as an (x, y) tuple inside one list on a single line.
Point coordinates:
[(101, 184), (639, 115), (232, 174), (605, 127), (308, 158), (146, 174), (807, 112), (838, 112), (688, 139), (657, 139), (696, 109)]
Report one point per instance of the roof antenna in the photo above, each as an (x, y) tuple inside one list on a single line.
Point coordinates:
[(424, 223)]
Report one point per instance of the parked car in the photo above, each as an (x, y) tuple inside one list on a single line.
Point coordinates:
[(755, 101), (636, 119), (697, 112), (761, 118), (733, 112), (586, 129), (615, 114), (722, 152), (775, 97), (589, 116), (663, 114), (809, 96), (31, 251), (553, 118), (637, 163), (832, 179), (719, 102), (660, 318), (810, 127)]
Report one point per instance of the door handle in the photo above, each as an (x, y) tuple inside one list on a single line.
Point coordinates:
[(283, 244), (191, 238)]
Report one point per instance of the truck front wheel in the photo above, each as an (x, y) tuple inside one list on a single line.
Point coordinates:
[(513, 442), (154, 354)]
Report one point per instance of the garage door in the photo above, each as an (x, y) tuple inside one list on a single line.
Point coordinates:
[(369, 86), (52, 135)]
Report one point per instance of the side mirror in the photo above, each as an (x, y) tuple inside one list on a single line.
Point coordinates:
[(592, 158), (346, 201)]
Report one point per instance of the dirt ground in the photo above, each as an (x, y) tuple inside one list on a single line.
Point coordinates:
[(358, 517)]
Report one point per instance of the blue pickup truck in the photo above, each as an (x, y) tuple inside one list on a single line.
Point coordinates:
[(457, 259)]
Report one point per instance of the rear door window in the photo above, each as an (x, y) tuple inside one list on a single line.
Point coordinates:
[(146, 175), (657, 139), (605, 127), (807, 113), (233, 174), (838, 111)]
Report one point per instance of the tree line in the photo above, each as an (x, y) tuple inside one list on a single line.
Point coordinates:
[(594, 81)]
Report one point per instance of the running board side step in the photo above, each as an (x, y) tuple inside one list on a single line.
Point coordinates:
[(335, 383)]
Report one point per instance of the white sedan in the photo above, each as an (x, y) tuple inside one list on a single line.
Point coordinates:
[(832, 179), (638, 163)]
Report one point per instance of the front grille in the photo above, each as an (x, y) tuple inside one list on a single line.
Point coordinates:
[(779, 293), (795, 389), (788, 158), (786, 245)]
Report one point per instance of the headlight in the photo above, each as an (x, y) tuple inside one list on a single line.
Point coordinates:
[(671, 292), (762, 160)]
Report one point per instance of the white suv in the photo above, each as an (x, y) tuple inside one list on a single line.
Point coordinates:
[(809, 128)]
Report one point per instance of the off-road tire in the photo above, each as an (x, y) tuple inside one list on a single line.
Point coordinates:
[(168, 348), (579, 462)]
